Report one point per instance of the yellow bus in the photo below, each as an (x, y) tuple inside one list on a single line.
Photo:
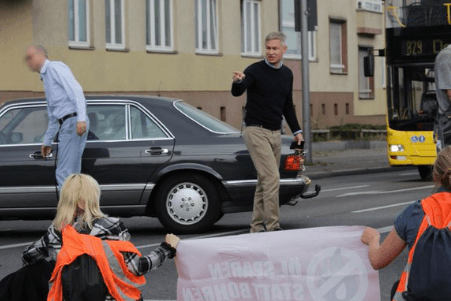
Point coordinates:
[(415, 32)]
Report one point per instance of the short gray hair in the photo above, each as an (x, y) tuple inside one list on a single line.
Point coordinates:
[(276, 35), (42, 50)]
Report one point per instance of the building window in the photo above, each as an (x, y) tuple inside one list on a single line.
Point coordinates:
[(293, 38), (159, 34), (336, 109), (371, 5), (338, 46), (78, 18), (366, 84), (114, 19), (206, 18), (323, 108), (311, 110), (250, 27), (347, 108)]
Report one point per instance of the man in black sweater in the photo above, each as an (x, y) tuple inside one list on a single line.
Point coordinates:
[(269, 86)]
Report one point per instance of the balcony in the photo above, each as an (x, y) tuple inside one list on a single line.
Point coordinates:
[(369, 22)]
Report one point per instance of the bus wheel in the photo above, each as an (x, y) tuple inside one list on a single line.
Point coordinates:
[(425, 172)]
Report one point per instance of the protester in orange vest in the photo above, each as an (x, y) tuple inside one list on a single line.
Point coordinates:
[(422, 226), (78, 209)]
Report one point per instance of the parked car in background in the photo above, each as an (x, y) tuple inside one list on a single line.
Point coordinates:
[(152, 156)]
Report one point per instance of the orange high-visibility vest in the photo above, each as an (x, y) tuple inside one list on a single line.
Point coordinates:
[(121, 283), (437, 213)]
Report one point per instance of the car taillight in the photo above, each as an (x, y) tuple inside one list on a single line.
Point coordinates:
[(294, 162)]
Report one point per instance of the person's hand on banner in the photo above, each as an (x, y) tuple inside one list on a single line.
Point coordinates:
[(172, 239), (369, 235)]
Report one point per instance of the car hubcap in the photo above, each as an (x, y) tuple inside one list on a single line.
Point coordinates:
[(187, 203)]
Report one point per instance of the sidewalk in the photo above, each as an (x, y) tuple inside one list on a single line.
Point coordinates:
[(331, 159)]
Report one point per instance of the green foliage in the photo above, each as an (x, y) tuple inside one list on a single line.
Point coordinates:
[(356, 126), (319, 138), (351, 131)]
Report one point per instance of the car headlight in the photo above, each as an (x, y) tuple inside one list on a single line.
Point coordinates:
[(396, 148)]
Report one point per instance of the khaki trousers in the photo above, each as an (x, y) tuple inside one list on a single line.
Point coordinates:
[(265, 149)]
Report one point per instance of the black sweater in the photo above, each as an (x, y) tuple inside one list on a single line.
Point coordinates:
[(269, 96)]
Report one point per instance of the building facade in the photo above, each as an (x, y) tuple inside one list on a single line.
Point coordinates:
[(189, 48)]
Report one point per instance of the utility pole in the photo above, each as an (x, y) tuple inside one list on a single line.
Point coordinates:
[(305, 20), (305, 81)]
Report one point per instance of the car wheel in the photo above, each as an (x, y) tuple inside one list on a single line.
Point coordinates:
[(188, 203)]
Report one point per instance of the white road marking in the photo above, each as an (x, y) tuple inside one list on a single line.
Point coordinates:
[(409, 174), (343, 188), (383, 192), (16, 245), (382, 207)]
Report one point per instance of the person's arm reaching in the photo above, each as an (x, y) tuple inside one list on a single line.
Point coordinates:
[(144, 264), (382, 255), (241, 82)]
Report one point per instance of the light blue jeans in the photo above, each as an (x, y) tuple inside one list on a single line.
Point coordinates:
[(70, 149)]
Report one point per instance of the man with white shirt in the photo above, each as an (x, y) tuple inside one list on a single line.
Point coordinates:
[(66, 108)]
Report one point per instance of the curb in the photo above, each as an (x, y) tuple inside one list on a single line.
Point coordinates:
[(348, 144), (349, 172)]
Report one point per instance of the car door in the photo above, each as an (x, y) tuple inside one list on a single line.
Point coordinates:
[(28, 185), (126, 145)]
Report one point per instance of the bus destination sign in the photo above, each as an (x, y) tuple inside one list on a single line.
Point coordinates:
[(423, 47)]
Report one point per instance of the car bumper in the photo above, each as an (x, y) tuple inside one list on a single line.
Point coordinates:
[(241, 193)]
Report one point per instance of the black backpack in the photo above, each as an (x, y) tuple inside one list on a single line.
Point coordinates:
[(430, 271), (82, 281)]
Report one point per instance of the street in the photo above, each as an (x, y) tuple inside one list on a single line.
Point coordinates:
[(369, 200)]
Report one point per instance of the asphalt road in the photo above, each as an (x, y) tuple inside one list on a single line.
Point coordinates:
[(369, 200)]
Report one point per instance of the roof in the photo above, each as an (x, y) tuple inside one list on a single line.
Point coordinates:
[(144, 99)]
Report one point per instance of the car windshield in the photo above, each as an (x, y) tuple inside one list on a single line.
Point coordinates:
[(207, 121)]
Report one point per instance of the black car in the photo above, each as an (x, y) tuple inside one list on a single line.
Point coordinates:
[(152, 156)]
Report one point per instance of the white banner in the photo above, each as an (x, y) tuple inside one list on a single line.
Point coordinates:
[(318, 264)]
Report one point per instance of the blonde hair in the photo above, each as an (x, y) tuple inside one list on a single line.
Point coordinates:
[(441, 173), (80, 197)]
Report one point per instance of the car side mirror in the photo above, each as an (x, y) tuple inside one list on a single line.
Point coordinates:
[(368, 65), (16, 138)]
